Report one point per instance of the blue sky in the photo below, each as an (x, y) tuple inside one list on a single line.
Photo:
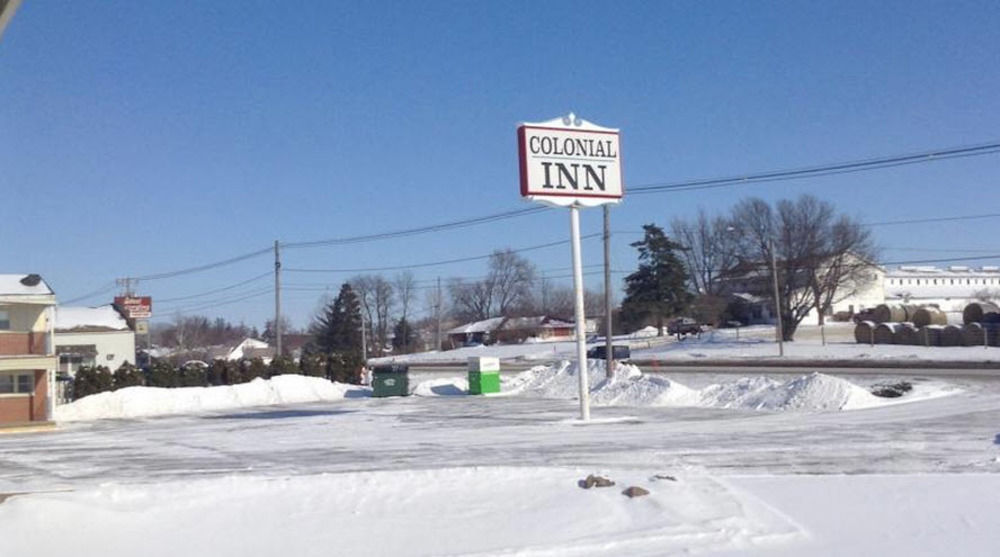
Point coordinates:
[(141, 137)]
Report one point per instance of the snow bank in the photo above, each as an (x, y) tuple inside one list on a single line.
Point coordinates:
[(631, 387), (138, 402), (525, 511)]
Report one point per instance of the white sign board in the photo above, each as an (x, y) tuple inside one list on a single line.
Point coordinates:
[(570, 162)]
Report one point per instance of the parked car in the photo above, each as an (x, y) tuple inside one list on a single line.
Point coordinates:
[(620, 352), (683, 326)]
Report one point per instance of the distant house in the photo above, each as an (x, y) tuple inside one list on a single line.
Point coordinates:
[(27, 356), (92, 336), (516, 329), (478, 332), (540, 327), (248, 348)]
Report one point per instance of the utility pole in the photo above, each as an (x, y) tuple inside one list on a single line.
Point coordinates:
[(437, 314), (277, 299), (608, 344), (126, 285), (779, 332), (364, 341)]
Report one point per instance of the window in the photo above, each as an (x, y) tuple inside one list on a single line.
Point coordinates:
[(953, 281), (4, 320), (935, 282), (17, 384)]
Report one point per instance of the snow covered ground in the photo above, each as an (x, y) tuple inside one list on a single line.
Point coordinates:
[(749, 343), (767, 465)]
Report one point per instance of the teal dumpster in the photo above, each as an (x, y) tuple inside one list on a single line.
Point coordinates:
[(391, 380)]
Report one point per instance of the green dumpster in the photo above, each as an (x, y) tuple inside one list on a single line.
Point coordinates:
[(484, 375), (484, 382), (391, 380)]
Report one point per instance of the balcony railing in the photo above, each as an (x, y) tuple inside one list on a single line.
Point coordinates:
[(23, 344)]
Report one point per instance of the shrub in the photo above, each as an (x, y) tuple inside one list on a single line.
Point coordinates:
[(127, 376), (162, 374)]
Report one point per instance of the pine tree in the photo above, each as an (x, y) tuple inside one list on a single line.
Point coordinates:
[(126, 376), (217, 372), (313, 364), (252, 369), (84, 382), (658, 288), (403, 336), (162, 374), (281, 365), (338, 335), (193, 375)]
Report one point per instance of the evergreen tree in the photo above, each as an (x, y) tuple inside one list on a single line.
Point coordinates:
[(403, 336), (162, 374), (658, 289), (89, 381), (337, 333), (313, 365), (127, 376), (217, 372), (252, 369), (281, 365), (193, 375), (232, 373)]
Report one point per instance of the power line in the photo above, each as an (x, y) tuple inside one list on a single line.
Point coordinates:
[(934, 219), (102, 290), (198, 307), (419, 230), (435, 263), (205, 267), (217, 290), (823, 170)]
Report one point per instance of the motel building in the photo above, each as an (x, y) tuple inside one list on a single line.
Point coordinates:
[(27, 357)]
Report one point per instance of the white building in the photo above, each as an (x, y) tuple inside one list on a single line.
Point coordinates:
[(951, 289), (97, 336)]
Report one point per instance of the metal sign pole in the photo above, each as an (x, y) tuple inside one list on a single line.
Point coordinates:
[(581, 341)]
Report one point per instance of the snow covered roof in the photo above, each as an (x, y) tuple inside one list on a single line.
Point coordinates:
[(30, 288), (484, 326), (102, 318)]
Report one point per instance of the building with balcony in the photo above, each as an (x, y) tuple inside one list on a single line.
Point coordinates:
[(27, 356)]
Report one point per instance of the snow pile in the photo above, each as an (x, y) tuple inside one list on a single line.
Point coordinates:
[(628, 387), (138, 402), (631, 387), (741, 393), (815, 391), (453, 386)]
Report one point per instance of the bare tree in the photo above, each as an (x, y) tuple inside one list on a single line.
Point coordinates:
[(561, 302), (406, 290), (471, 300), (504, 291), (375, 294), (709, 250), (821, 258), (512, 277)]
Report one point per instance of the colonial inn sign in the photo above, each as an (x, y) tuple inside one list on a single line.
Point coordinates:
[(569, 161)]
